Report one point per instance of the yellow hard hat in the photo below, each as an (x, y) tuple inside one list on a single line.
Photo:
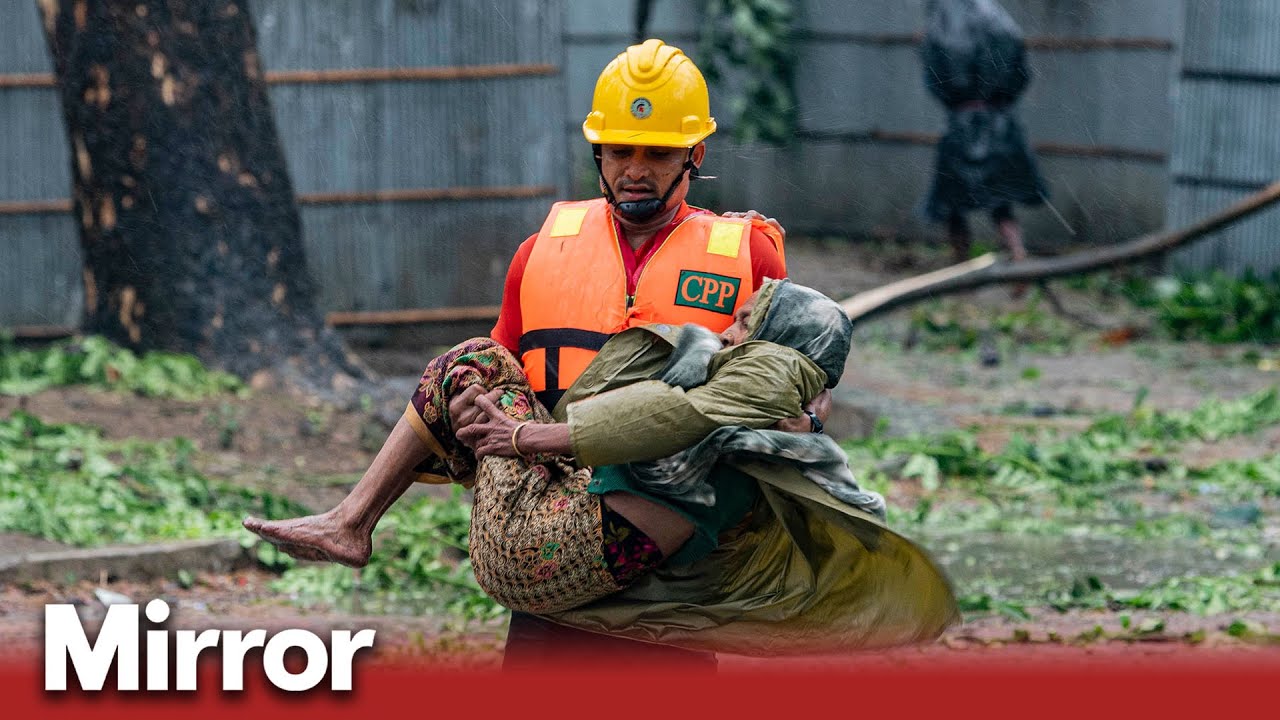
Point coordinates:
[(652, 94)]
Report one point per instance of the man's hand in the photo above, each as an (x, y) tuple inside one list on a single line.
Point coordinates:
[(753, 215), (820, 406)]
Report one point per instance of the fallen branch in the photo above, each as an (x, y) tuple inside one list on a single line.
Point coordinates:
[(413, 316), (985, 270)]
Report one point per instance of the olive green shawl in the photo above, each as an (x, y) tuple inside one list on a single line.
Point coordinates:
[(805, 573)]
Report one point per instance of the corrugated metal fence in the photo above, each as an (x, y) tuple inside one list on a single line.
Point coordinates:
[(416, 133), (1098, 111), (426, 137), (1226, 142), (40, 281)]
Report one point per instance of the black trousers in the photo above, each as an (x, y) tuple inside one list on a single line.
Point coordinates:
[(534, 643)]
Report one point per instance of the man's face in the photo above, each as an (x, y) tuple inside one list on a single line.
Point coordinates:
[(736, 334), (636, 172)]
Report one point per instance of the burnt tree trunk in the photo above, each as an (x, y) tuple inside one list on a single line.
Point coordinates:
[(188, 222)]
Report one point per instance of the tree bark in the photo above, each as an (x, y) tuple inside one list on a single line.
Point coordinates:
[(188, 223), (985, 270)]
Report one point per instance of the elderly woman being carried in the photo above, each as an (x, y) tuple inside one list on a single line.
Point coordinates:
[(655, 495)]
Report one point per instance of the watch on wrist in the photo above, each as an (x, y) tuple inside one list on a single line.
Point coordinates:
[(815, 425)]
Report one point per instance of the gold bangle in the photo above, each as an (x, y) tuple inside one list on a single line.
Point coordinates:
[(514, 446)]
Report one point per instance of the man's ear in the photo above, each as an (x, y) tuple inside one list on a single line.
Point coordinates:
[(699, 152)]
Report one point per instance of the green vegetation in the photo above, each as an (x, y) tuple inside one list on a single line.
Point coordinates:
[(1089, 484), (1085, 473), (1214, 308), (1255, 591), (97, 362), (65, 483), (952, 325)]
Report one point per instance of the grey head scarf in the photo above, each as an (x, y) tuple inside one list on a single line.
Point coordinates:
[(795, 316), (803, 319), (787, 314)]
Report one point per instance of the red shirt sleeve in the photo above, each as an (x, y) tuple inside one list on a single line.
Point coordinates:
[(510, 326), (767, 260)]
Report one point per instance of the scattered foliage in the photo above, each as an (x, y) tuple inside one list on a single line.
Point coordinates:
[(1123, 478), (1215, 307), (951, 325), (66, 483), (1257, 591), (97, 362)]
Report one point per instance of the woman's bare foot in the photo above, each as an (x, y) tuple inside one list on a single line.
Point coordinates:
[(315, 537)]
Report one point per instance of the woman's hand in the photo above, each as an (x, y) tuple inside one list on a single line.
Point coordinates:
[(463, 409), (482, 426), (488, 429), (753, 215)]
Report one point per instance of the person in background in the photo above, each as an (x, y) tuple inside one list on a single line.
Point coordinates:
[(975, 64)]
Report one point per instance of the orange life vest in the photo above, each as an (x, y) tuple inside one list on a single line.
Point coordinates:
[(573, 296)]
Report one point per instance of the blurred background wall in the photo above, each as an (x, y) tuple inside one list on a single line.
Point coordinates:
[(426, 138)]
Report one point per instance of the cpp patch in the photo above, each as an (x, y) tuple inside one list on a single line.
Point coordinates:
[(707, 291)]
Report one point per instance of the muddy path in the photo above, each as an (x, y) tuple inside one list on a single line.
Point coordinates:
[(1057, 376)]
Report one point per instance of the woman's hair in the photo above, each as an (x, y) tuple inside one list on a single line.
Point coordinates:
[(803, 319)]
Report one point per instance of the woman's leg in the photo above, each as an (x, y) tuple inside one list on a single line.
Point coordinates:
[(421, 446), (959, 236), (344, 534), (1010, 231)]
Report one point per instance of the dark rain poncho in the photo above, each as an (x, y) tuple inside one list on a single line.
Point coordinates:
[(975, 63)]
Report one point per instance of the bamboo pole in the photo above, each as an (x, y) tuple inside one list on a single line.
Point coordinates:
[(40, 332), (34, 207), (413, 316), (427, 195), (1044, 148), (347, 75), (514, 192), (407, 74)]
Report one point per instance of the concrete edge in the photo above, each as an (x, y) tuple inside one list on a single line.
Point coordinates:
[(146, 561)]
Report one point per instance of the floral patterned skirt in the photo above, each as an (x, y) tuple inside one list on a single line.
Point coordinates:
[(539, 541)]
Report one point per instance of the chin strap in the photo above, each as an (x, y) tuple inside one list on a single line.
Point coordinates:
[(640, 210)]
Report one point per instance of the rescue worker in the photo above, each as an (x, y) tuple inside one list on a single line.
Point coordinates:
[(640, 253), (637, 255)]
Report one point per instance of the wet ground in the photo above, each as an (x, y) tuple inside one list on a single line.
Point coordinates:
[(314, 454)]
